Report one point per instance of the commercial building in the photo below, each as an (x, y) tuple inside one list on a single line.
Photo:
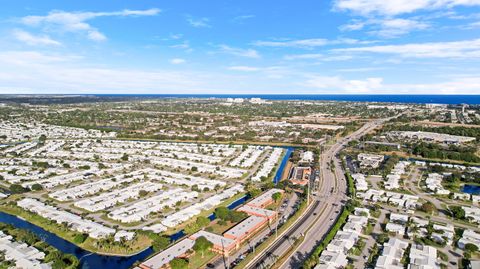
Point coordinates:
[(245, 229), (257, 211), (265, 199), (432, 137), (301, 175), (221, 244), (370, 160), (167, 255)]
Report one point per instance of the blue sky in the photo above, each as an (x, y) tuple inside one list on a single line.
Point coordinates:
[(248, 46)]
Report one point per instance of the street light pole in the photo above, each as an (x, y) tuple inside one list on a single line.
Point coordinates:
[(226, 263)]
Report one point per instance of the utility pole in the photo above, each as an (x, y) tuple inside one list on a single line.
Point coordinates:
[(276, 226), (226, 263), (308, 192)]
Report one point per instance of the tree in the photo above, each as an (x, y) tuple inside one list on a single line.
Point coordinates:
[(191, 228), (195, 188), (457, 212), (276, 196), (37, 187), (16, 188), (80, 238), (254, 192), (236, 216), (428, 207), (142, 193), (471, 247), (178, 263), (124, 157), (202, 244), (202, 221), (59, 264), (160, 242), (222, 212), (42, 139)]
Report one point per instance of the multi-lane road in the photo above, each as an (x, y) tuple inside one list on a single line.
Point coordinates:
[(315, 223)]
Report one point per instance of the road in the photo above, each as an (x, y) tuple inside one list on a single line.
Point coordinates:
[(315, 223)]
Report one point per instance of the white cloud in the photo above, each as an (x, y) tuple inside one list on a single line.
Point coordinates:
[(96, 36), (247, 53), (77, 21), (242, 18), (307, 56), (376, 85), (361, 69), (349, 86), (397, 27), (396, 7), (185, 45), (55, 73), (474, 25), (386, 27), (308, 43), (302, 43), (353, 26), (176, 36), (177, 61), (461, 85), (243, 68), (34, 58), (34, 40), (457, 49), (317, 57), (270, 72), (36, 72), (199, 23)]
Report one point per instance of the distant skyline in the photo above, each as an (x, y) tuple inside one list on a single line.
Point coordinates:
[(240, 47)]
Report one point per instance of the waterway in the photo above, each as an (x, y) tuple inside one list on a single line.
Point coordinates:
[(278, 175), (471, 189), (89, 260)]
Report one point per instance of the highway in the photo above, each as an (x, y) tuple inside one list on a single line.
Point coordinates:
[(315, 223)]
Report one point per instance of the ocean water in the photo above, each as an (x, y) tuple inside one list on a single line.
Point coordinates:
[(384, 98)]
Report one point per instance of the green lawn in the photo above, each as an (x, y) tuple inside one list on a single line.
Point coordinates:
[(220, 229), (196, 261)]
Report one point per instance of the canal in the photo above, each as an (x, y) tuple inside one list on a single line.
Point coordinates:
[(89, 260)]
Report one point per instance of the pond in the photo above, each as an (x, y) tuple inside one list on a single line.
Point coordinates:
[(471, 189)]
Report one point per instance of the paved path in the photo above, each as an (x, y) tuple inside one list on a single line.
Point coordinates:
[(316, 227), (370, 241)]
